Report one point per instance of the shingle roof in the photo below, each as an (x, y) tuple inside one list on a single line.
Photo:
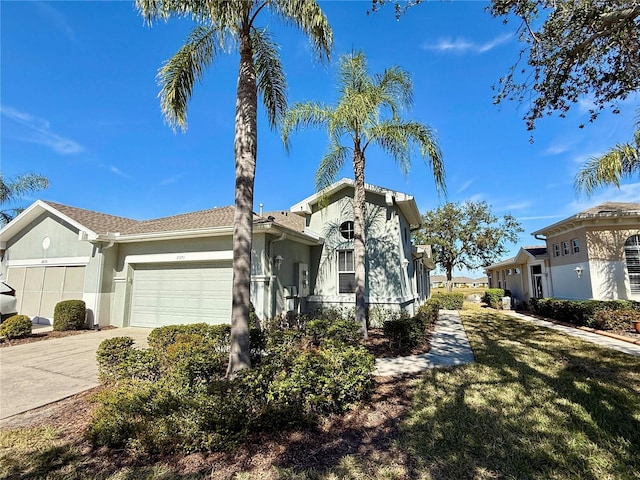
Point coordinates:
[(96, 221), (535, 251), (103, 223), (612, 207)]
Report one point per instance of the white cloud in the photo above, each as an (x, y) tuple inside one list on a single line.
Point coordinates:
[(540, 217), (517, 206), (464, 186), (56, 18), (462, 45), (170, 180), (38, 130), (117, 171), (629, 192)]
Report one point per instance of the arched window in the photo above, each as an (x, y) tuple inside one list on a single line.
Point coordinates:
[(346, 230), (632, 256)]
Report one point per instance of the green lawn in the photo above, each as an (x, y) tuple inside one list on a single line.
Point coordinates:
[(537, 405)]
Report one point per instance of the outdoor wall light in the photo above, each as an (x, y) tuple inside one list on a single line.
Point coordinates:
[(578, 271), (278, 261)]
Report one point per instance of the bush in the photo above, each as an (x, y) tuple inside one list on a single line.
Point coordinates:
[(449, 300), (17, 326), (582, 312), (618, 320), (405, 331), (69, 315), (322, 330), (493, 297), (191, 407), (428, 313)]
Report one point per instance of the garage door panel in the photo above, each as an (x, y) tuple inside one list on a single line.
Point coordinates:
[(179, 294)]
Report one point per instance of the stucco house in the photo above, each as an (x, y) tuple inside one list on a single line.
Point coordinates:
[(178, 269), (594, 254)]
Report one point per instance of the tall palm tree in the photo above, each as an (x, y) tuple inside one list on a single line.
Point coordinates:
[(221, 25), (619, 162), (366, 114), (14, 189)]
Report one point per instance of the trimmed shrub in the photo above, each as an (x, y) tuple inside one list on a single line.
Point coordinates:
[(160, 338), (17, 326), (449, 300), (618, 320), (428, 313), (493, 297), (69, 315), (404, 331), (582, 312), (322, 330)]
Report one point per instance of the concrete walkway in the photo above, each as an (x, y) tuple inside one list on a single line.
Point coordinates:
[(597, 338), (38, 373), (449, 347)]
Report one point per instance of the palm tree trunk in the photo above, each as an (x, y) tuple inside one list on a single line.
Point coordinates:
[(359, 238), (245, 149)]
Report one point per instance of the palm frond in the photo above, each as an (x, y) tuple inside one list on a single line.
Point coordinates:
[(394, 89), (179, 74), (303, 115), (14, 188), (331, 164), (621, 161), (272, 83), (153, 10), (397, 138), (308, 17)]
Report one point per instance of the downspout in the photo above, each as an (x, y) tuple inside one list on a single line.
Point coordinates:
[(101, 248), (272, 300)]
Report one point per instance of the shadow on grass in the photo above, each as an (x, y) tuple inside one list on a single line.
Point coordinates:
[(537, 404)]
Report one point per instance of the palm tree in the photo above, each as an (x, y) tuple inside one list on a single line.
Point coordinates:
[(14, 189), (221, 25), (619, 162), (358, 120)]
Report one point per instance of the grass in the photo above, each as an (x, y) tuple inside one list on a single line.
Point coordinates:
[(537, 405)]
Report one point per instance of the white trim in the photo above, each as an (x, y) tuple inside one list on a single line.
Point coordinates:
[(49, 262), (180, 257)]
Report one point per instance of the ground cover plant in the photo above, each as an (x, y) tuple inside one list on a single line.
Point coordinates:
[(536, 405)]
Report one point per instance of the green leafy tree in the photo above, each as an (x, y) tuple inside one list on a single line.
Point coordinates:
[(367, 114), (13, 189), (619, 162), (221, 25), (572, 48), (466, 235)]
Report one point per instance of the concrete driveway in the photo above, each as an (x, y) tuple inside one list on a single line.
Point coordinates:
[(38, 373)]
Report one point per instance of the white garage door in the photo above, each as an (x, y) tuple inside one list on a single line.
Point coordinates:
[(39, 289), (167, 294)]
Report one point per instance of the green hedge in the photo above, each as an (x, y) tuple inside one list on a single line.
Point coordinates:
[(405, 331), (69, 315), (449, 300), (493, 297), (17, 326), (582, 312), (173, 396)]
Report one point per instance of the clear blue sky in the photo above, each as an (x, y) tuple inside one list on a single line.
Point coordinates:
[(79, 105)]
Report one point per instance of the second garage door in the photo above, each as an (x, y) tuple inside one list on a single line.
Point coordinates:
[(169, 294)]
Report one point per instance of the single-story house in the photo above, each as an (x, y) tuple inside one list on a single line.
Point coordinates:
[(440, 281), (178, 269), (594, 254)]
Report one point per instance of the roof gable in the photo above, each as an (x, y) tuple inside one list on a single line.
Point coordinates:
[(405, 203)]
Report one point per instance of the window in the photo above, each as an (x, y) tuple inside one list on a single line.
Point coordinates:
[(632, 257), (565, 248), (346, 230), (556, 250), (575, 246), (509, 271), (346, 272), (516, 271)]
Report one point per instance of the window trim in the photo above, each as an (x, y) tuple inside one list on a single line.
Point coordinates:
[(632, 245), (556, 249), (575, 245), (347, 227), (565, 248), (346, 272)]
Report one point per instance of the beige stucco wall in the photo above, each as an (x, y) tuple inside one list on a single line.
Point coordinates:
[(571, 258)]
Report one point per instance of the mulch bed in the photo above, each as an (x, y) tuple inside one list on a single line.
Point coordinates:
[(39, 336)]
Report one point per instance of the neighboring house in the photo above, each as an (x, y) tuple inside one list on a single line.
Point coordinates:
[(526, 275), (178, 269), (594, 254), (440, 281)]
